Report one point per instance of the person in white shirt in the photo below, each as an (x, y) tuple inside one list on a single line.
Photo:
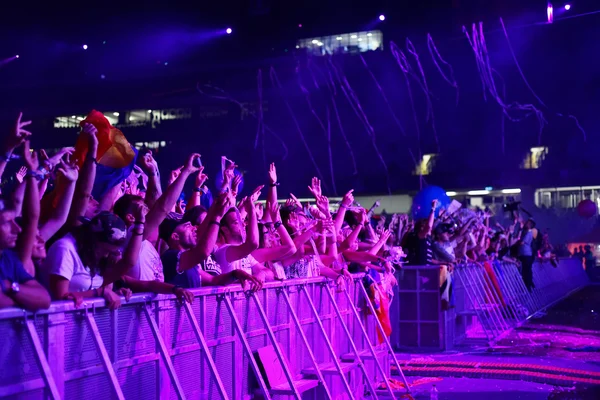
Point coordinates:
[(235, 252)]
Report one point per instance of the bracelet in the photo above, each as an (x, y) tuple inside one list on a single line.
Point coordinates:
[(138, 223), (274, 184), (92, 159), (34, 174), (277, 224), (198, 189), (138, 233), (343, 206), (215, 223), (43, 170)]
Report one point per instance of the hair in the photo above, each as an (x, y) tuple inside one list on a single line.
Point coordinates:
[(123, 205)]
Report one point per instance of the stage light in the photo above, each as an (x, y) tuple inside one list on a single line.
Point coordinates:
[(228, 31), (102, 76), (382, 17), (353, 37), (116, 114), (369, 34), (149, 111), (299, 25), (338, 38), (17, 56), (550, 12), (567, 7), (85, 46)]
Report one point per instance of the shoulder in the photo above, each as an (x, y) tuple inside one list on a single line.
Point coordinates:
[(67, 242)]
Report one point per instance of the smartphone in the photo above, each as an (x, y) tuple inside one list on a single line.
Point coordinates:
[(197, 163)]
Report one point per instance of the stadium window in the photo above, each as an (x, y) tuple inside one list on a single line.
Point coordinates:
[(355, 42), (535, 158)]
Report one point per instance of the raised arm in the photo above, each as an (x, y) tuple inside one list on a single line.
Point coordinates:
[(87, 175), (150, 167), (15, 138), (196, 196), (31, 211), (67, 178), (168, 199), (341, 213), (272, 193), (237, 252)]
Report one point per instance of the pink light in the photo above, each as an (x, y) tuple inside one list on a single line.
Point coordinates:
[(228, 31), (550, 11), (382, 17), (299, 25), (567, 7)]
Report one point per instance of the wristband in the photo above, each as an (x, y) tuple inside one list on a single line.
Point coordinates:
[(198, 189), (138, 233), (343, 206), (277, 224), (43, 170), (274, 184), (214, 223), (92, 159), (34, 174)]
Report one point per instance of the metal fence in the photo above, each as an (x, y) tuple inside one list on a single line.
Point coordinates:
[(491, 298), (487, 301), (154, 347)]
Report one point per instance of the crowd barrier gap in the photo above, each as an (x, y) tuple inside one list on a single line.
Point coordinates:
[(154, 347)]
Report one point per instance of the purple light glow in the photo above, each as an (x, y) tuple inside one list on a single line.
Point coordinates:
[(382, 17), (550, 11), (228, 31), (299, 25), (85, 46), (567, 7)]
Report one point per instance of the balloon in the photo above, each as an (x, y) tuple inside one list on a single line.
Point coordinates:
[(587, 208), (421, 206), (219, 181)]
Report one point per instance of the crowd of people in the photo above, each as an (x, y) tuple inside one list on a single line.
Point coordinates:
[(63, 244)]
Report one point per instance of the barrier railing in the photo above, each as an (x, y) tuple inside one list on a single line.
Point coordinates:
[(324, 341), (491, 298), (487, 301)]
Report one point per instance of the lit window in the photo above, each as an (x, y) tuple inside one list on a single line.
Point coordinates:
[(535, 158), (154, 145), (358, 42), (426, 165)]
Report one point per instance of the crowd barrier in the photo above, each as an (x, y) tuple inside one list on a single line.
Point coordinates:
[(486, 302), (321, 339)]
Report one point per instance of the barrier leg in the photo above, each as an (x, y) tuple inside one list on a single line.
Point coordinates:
[(305, 341), (355, 350), (42, 361), (104, 356), (380, 327), (200, 338), (165, 354), (328, 344), (246, 345)]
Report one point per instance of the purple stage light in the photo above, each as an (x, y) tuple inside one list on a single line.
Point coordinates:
[(85, 46), (299, 25), (567, 7), (382, 17), (228, 31), (550, 11)]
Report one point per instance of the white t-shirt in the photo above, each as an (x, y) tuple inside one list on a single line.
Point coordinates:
[(245, 263), (148, 266), (62, 260)]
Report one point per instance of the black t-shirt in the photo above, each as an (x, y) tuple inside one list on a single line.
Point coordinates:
[(418, 249), (188, 279)]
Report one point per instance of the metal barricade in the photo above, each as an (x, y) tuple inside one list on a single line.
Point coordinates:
[(491, 298), (154, 347)]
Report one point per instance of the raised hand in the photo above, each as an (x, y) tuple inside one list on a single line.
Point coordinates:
[(190, 165), (323, 205), (247, 205), (201, 178), (315, 187), (222, 204), (17, 135), (149, 164), (175, 174), (235, 184), (272, 173), (31, 157), (53, 161), (90, 132), (273, 210), (260, 211), (21, 174), (68, 171), (295, 201), (256, 194), (139, 212), (348, 199)]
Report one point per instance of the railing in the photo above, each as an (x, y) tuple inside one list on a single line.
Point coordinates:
[(153, 347), (488, 300)]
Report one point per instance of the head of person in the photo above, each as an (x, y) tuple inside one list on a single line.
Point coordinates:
[(100, 242), (92, 208), (530, 224), (178, 234), (443, 232), (9, 229), (267, 235), (195, 215), (38, 252), (232, 227), (124, 207)]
